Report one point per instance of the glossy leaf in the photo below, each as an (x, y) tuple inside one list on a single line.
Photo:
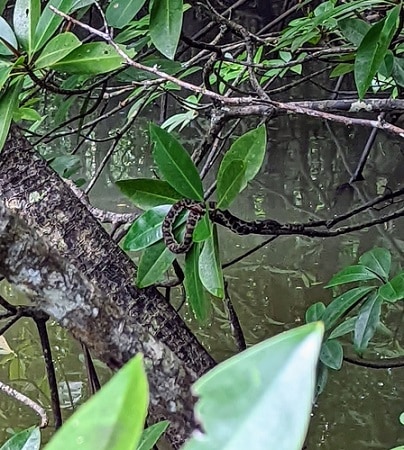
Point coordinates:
[(125, 398), (394, 289), (29, 439), (25, 19), (153, 264), (342, 304), (121, 12), (175, 164), (351, 274), (56, 49), (6, 34), (354, 30), (367, 321), (49, 22), (92, 59), (332, 354), (250, 149), (314, 312), (152, 434), (254, 391), (343, 328), (230, 182), (146, 193), (203, 229), (378, 260), (165, 25), (146, 229), (373, 49), (8, 104), (210, 269), (196, 295)]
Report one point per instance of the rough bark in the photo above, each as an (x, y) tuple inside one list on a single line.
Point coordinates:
[(124, 320)]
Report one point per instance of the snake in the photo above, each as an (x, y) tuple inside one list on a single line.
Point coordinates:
[(196, 210)]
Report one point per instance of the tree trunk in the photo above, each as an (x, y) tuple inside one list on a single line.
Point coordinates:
[(29, 187)]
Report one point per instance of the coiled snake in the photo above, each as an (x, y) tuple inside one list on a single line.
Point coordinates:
[(198, 209)]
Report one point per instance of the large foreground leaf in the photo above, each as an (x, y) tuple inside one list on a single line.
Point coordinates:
[(378, 260), (56, 49), (29, 439), (112, 419), (261, 398), (25, 19)]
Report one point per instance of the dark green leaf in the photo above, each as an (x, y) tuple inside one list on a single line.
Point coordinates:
[(398, 71), (56, 49), (146, 230), (120, 12), (315, 312), (394, 289), (367, 321), (8, 104), (353, 30), (175, 164), (92, 59), (146, 193), (7, 34), (125, 398), (78, 4), (254, 389), (230, 182), (332, 354), (29, 439), (351, 274), (49, 22), (25, 20), (342, 304), (372, 50), (165, 25), (250, 149), (66, 165), (322, 378), (386, 68), (153, 264), (341, 69), (210, 269), (196, 295), (152, 434), (203, 229), (378, 260), (343, 328)]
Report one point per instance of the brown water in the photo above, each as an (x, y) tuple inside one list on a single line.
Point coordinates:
[(270, 289)]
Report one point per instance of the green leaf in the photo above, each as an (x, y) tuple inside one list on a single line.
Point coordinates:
[(165, 25), (56, 49), (152, 434), (125, 398), (146, 193), (121, 12), (6, 34), (340, 305), (146, 229), (196, 295), (378, 260), (175, 164), (354, 30), (343, 328), (341, 69), (78, 4), (253, 391), (398, 70), (315, 312), (372, 50), (29, 439), (203, 229), (5, 71), (25, 20), (367, 321), (26, 114), (394, 289), (210, 269), (8, 104), (351, 274), (250, 149), (153, 264), (66, 165), (229, 182), (49, 22), (92, 59), (332, 354)]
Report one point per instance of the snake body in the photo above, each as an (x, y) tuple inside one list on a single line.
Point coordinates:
[(222, 217)]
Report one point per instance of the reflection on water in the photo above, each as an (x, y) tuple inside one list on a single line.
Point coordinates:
[(305, 167)]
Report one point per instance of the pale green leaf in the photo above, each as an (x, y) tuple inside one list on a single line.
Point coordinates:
[(56, 49), (25, 20), (121, 12), (8, 104), (6, 34)]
